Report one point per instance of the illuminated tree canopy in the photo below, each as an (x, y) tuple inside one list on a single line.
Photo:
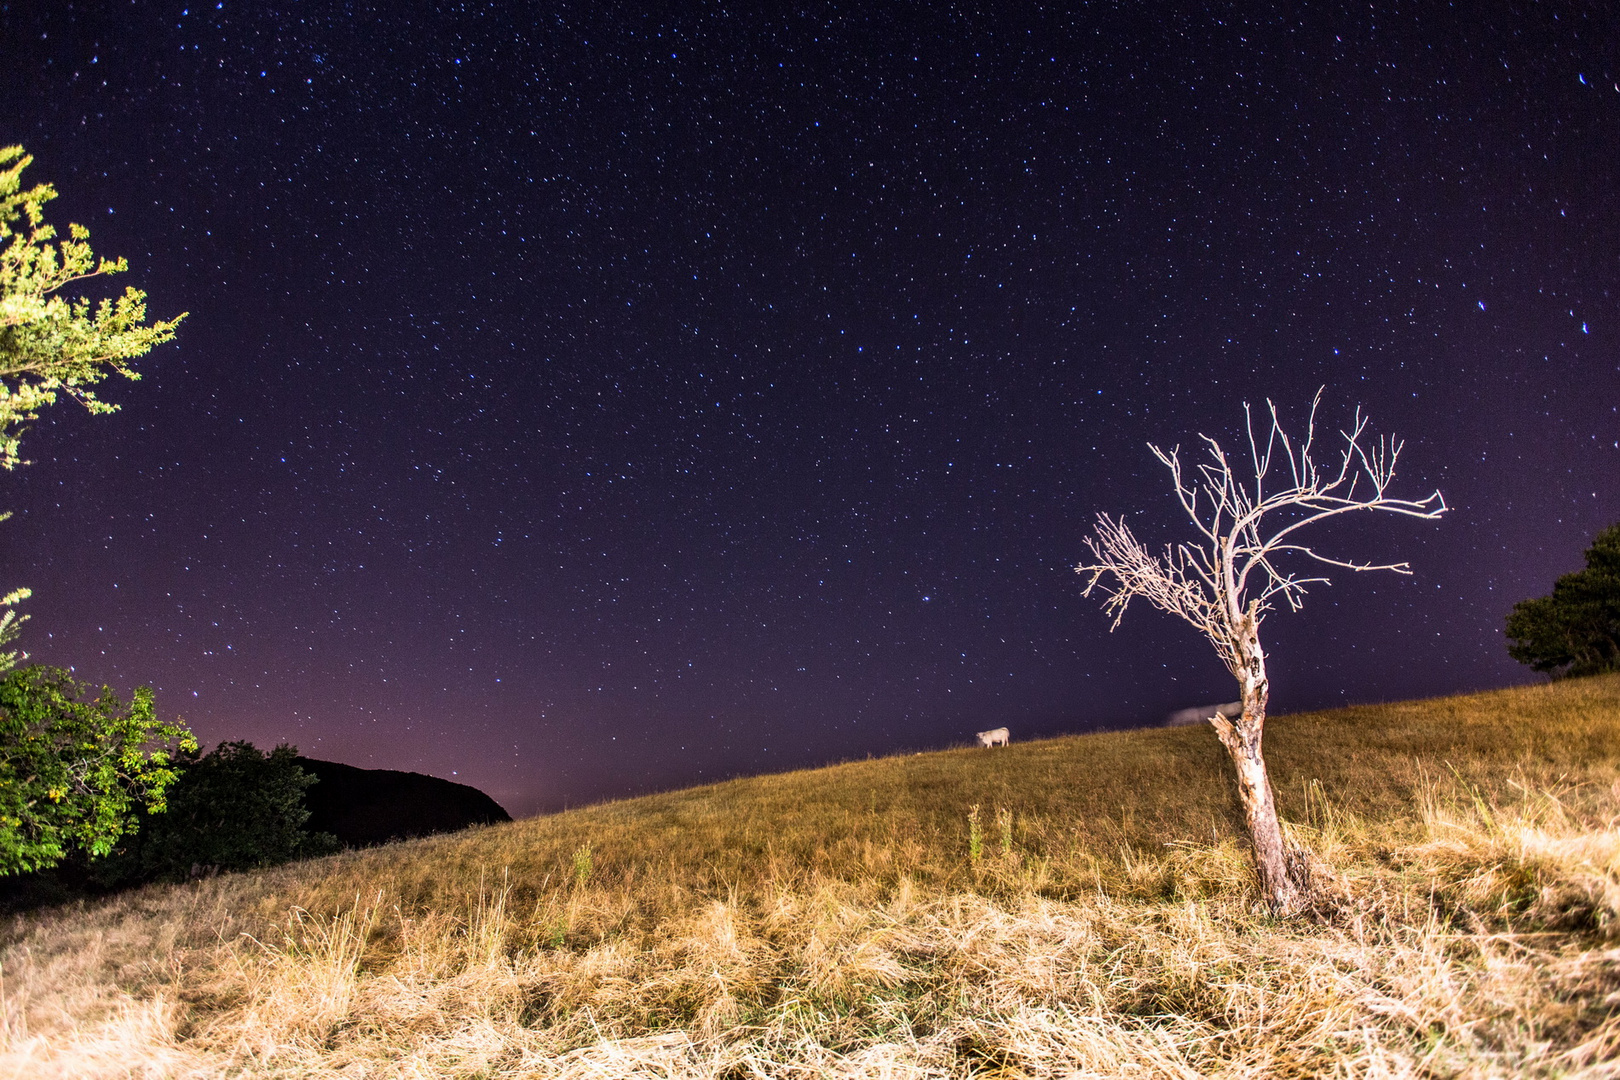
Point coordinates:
[(52, 343)]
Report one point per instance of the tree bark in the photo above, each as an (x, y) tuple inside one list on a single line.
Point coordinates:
[(1284, 872)]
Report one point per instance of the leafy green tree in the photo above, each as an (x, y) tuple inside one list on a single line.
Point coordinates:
[(1576, 629), (76, 770), (51, 343), (71, 771), (234, 808)]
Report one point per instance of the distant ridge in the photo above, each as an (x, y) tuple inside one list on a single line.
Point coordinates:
[(365, 807)]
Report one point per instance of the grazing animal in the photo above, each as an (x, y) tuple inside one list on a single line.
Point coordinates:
[(994, 737), (1200, 713)]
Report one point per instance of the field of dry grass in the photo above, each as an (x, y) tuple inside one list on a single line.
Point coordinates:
[(1078, 907)]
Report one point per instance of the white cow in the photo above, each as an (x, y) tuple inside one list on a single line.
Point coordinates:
[(993, 737), (1200, 713)]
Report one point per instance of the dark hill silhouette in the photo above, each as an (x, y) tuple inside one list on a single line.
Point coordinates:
[(362, 807)]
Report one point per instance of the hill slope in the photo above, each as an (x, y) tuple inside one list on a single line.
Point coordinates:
[(1092, 916), (365, 807)]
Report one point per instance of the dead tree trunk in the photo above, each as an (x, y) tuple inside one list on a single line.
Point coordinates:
[(1283, 871), (1224, 582)]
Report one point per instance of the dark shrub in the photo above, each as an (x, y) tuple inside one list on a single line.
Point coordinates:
[(1575, 630), (234, 808)]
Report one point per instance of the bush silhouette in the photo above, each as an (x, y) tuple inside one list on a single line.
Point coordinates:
[(1576, 629)]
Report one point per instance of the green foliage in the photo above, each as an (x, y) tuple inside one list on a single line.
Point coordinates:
[(583, 863), (11, 623), (73, 773), (1576, 629), (50, 343), (234, 808), (75, 770)]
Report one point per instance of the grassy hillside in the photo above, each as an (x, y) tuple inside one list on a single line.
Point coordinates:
[(1071, 907)]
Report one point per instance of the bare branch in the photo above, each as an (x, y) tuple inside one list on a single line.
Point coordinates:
[(1244, 527), (1180, 582)]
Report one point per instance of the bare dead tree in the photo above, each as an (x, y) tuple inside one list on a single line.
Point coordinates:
[(1225, 582)]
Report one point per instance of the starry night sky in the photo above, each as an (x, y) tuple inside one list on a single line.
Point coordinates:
[(604, 400)]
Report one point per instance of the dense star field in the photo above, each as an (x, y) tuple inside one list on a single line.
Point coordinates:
[(582, 399)]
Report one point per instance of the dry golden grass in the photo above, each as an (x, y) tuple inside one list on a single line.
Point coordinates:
[(838, 922)]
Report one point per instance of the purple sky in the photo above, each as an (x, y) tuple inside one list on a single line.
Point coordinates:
[(602, 400)]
